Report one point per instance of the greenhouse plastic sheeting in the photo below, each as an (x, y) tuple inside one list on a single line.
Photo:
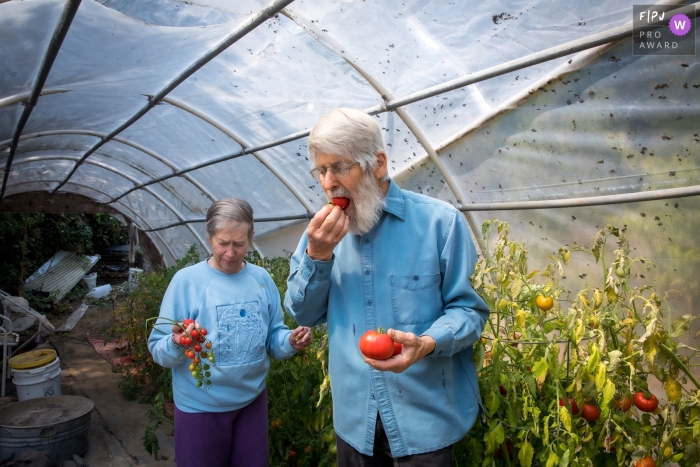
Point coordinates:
[(596, 122)]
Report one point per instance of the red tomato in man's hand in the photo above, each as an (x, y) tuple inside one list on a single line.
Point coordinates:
[(341, 202), (376, 345), (397, 348), (644, 403)]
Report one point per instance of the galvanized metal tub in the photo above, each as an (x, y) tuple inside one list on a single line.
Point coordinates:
[(56, 425)]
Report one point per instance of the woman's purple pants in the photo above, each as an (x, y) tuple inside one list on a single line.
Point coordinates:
[(227, 439)]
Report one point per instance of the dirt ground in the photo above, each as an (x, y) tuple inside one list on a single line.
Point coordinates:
[(116, 425)]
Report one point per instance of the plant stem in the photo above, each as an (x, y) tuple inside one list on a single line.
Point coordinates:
[(506, 455), (680, 364), (613, 336)]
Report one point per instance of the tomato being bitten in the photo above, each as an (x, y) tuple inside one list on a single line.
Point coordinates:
[(341, 202)]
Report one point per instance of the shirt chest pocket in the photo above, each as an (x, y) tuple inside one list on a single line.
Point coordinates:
[(242, 334), (415, 299)]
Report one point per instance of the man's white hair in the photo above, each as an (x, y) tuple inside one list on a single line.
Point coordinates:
[(350, 134)]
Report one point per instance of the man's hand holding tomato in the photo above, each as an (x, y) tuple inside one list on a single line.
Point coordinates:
[(325, 231), (413, 349)]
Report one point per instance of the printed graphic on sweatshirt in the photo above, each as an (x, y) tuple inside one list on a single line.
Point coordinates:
[(241, 334)]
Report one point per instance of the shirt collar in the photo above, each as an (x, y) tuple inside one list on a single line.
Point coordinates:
[(395, 203)]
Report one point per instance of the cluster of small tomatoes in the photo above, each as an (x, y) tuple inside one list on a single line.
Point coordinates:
[(198, 349)]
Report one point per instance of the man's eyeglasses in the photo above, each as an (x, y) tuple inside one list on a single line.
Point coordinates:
[(339, 170)]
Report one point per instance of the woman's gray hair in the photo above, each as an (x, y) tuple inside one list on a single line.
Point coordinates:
[(347, 133), (229, 210)]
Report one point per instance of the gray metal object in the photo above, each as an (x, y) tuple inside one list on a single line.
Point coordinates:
[(57, 425), (256, 20), (60, 274)]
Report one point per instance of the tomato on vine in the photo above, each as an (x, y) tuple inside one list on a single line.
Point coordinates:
[(646, 462), (544, 303), (624, 404), (572, 403), (644, 403), (590, 412)]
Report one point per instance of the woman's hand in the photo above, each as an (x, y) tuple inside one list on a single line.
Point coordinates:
[(301, 337), (179, 333)]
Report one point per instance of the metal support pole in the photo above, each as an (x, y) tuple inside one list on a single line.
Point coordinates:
[(256, 20), (70, 7)]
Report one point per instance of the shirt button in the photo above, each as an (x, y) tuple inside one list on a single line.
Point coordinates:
[(366, 272), (242, 312), (366, 241), (369, 302), (415, 278)]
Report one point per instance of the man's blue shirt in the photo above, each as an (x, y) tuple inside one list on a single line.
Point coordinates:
[(411, 273)]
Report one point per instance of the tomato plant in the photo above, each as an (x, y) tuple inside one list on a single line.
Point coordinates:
[(609, 340), (645, 402), (376, 344)]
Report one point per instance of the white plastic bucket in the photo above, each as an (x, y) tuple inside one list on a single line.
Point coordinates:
[(133, 274), (100, 292), (44, 381), (90, 280)]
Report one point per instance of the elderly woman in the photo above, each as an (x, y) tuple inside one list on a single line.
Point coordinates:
[(224, 422)]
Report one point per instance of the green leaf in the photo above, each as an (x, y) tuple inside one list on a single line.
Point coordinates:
[(516, 287), (593, 358), (564, 461), (539, 371), (608, 391), (492, 402), (680, 326), (565, 417), (552, 460), (579, 331), (600, 377), (525, 454)]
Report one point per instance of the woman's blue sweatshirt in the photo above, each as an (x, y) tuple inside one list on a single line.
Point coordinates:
[(245, 324)]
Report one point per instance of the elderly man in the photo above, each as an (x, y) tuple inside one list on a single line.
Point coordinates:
[(397, 260)]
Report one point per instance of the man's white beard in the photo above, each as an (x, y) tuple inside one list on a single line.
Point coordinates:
[(367, 204)]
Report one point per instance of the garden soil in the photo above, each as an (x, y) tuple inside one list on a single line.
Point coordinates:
[(87, 353)]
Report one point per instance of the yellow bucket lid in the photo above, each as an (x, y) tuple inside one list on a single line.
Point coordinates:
[(33, 359)]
